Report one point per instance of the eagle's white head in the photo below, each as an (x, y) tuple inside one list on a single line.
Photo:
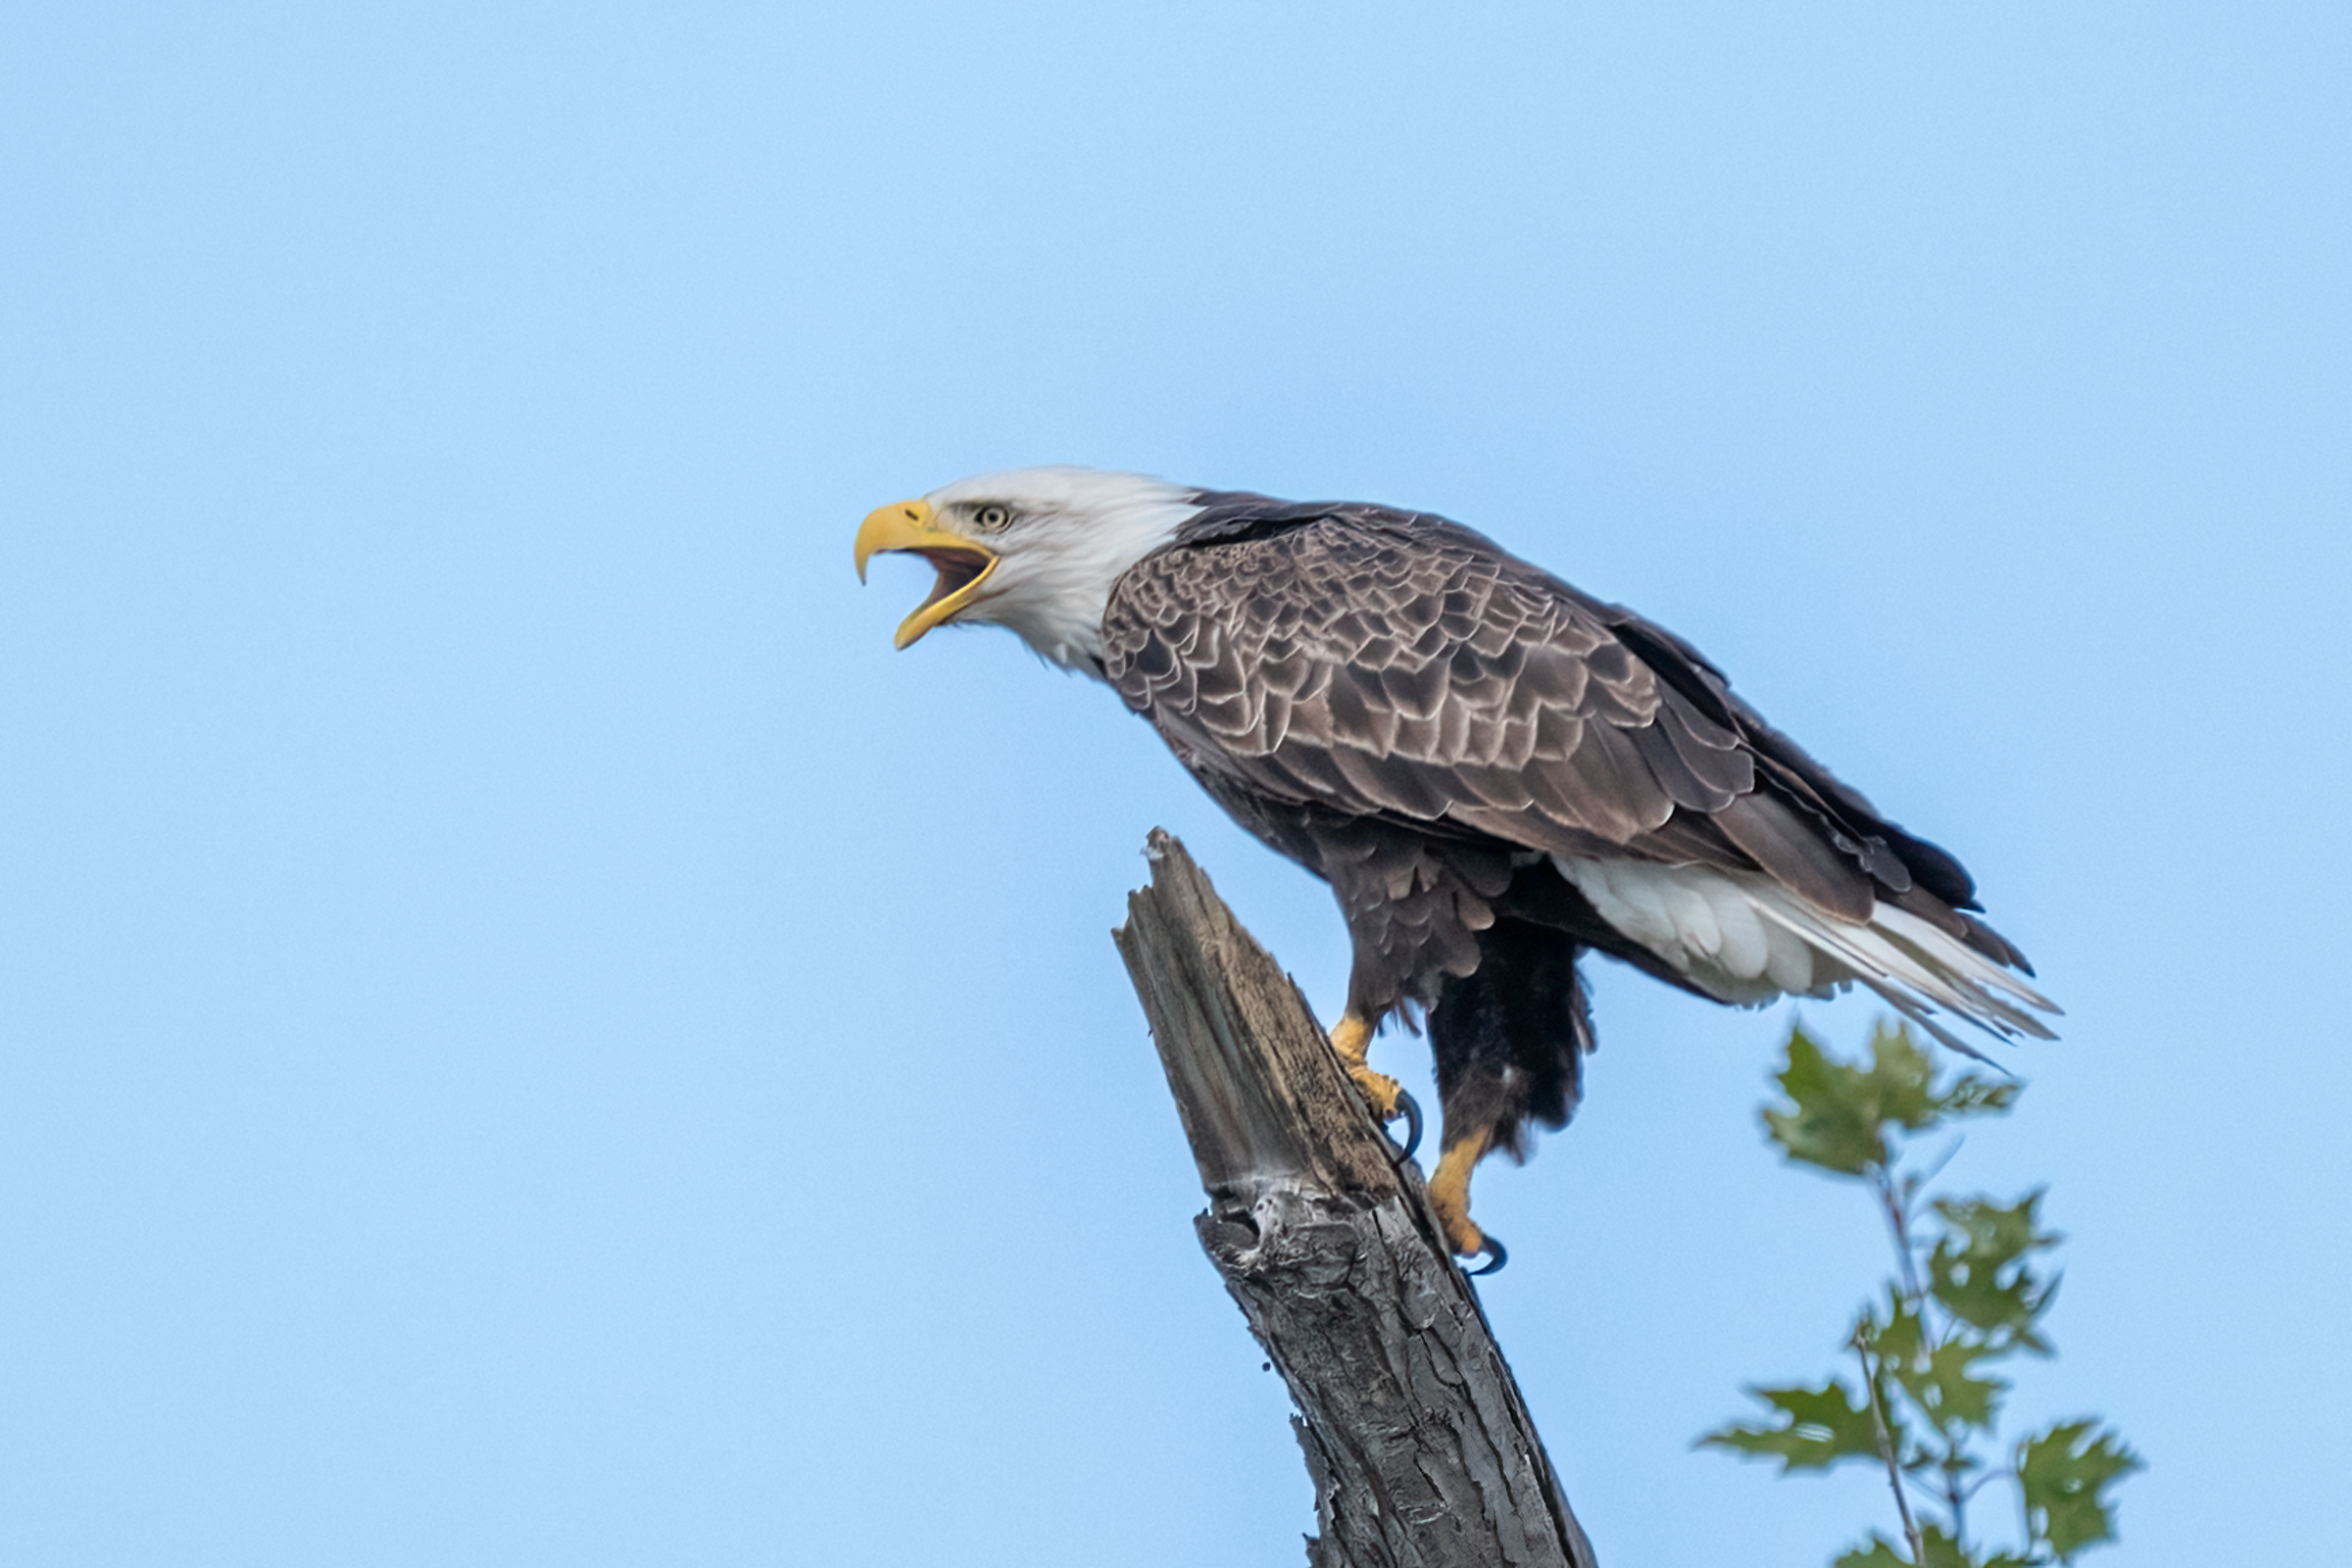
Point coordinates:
[(1037, 550)]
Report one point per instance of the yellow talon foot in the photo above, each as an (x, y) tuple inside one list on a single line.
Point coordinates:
[(1465, 1238), (1381, 1091), (1352, 1036), (1450, 1196)]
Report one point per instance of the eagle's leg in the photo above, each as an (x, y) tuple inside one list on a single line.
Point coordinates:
[(1449, 1189), (1352, 1038)]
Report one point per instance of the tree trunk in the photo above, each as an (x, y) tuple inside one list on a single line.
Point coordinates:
[(1421, 1449)]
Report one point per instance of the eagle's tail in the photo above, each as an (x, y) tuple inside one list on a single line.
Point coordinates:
[(1743, 938)]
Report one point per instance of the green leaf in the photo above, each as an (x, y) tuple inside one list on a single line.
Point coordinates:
[(1940, 1552), (1825, 1425), (1839, 1114), (2066, 1472), (1948, 1389), (1941, 1380), (1833, 1123), (1972, 1096), (1881, 1555), (1897, 1337), (1978, 1270)]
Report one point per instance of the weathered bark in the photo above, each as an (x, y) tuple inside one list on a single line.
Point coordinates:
[(1422, 1452)]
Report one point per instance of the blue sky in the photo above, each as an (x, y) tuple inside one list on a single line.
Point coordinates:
[(528, 1035)]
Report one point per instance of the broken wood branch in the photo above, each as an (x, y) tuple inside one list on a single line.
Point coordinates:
[(1421, 1449)]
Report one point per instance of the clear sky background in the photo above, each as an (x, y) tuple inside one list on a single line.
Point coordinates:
[(530, 1036)]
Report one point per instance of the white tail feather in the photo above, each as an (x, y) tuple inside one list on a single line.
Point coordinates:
[(1744, 938)]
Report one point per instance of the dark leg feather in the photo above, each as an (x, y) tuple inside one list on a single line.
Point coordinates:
[(1510, 1037)]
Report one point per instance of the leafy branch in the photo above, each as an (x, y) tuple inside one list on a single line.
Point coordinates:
[(1968, 1292)]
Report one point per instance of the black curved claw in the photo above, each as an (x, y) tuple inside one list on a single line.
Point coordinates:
[(1500, 1254), (1411, 1109)]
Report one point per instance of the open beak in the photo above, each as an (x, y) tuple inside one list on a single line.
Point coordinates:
[(962, 565)]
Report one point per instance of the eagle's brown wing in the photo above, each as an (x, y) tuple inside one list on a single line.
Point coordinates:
[(1394, 664)]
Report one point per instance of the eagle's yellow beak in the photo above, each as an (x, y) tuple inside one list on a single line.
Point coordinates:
[(963, 565)]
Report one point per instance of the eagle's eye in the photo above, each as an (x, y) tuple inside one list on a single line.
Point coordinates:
[(993, 519)]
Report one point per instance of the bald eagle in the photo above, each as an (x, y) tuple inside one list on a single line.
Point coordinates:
[(1494, 771)]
